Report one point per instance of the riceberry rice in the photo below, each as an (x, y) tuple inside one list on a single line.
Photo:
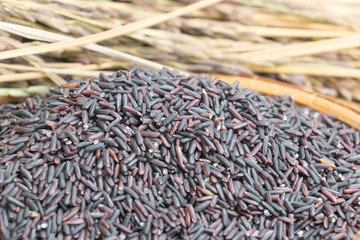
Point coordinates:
[(147, 155)]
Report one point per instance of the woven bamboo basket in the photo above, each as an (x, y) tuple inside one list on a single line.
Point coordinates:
[(319, 102)]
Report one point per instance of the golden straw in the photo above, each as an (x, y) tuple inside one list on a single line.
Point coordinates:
[(115, 32)]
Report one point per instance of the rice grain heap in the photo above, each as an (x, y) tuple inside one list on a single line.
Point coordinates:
[(144, 155)]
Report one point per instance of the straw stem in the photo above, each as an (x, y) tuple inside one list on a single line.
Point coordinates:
[(38, 34), (115, 32), (307, 48), (314, 69)]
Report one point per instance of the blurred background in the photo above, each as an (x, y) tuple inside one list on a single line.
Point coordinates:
[(313, 44)]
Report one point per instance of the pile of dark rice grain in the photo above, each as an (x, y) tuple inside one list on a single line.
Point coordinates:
[(144, 155)]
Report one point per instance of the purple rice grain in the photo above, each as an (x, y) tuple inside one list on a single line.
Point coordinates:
[(145, 155)]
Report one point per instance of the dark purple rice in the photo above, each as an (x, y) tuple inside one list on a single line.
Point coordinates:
[(144, 155)]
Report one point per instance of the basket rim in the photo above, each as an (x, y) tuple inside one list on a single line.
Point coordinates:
[(318, 101)]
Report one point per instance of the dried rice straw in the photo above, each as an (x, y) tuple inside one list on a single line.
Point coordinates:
[(112, 33)]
